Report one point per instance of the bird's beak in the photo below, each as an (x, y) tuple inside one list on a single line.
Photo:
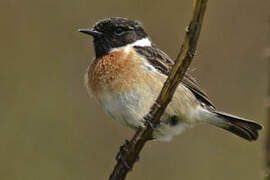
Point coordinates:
[(90, 32)]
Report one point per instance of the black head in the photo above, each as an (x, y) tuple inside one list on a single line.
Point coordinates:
[(113, 33)]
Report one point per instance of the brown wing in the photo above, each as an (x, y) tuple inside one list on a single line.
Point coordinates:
[(163, 63)]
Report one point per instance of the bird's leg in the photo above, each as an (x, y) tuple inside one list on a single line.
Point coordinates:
[(148, 121), (120, 155)]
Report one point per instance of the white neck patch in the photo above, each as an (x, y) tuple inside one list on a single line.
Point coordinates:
[(142, 43)]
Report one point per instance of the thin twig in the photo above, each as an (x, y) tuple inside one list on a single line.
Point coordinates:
[(183, 60)]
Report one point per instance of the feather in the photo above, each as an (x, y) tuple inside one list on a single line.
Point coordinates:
[(162, 62)]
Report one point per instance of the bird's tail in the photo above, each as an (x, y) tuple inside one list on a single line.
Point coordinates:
[(236, 125)]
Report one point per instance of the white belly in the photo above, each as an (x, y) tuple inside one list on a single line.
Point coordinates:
[(126, 107), (130, 107)]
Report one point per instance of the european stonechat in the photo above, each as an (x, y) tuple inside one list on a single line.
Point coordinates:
[(128, 73)]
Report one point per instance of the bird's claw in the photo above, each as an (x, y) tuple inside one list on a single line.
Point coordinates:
[(148, 121), (120, 156)]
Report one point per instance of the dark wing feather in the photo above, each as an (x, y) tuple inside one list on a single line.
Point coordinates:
[(163, 63)]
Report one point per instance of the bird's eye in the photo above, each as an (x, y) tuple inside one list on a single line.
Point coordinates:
[(119, 31)]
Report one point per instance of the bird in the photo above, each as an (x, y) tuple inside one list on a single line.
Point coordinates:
[(127, 74)]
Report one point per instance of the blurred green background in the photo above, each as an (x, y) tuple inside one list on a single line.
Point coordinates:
[(51, 129)]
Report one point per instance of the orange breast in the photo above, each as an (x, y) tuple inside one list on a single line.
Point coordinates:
[(115, 72)]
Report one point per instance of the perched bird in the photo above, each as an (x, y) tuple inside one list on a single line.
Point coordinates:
[(128, 73)]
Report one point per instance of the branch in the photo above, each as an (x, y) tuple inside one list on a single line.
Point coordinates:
[(183, 60)]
